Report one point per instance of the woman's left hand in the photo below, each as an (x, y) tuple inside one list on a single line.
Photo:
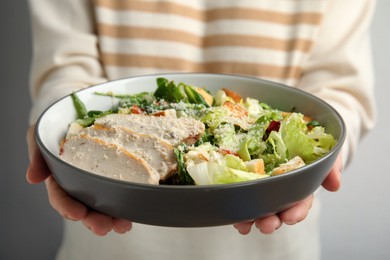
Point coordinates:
[(296, 213)]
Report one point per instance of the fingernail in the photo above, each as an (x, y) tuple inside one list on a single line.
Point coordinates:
[(69, 217)]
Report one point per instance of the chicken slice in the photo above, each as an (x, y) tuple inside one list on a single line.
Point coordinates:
[(110, 160), (155, 151), (174, 130)]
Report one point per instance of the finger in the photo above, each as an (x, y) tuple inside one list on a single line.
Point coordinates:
[(244, 228), (332, 182), (63, 203), (98, 223), (268, 225), (30, 136), (37, 170), (298, 212), (121, 226)]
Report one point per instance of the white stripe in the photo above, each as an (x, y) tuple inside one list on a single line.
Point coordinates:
[(287, 82), (195, 54), (115, 72), (282, 6), (265, 29)]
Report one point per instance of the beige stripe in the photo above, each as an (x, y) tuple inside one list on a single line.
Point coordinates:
[(159, 7), (175, 64), (263, 15), (257, 42), (209, 41), (214, 14)]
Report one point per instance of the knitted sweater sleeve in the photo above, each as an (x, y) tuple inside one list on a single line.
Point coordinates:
[(339, 69), (65, 52)]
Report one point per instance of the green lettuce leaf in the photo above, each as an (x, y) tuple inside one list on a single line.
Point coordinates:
[(299, 141), (229, 169)]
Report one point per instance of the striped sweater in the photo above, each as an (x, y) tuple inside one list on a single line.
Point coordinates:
[(141, 37), (312, 45)]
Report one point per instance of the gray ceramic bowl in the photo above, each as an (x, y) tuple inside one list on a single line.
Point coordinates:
[(189, 206)]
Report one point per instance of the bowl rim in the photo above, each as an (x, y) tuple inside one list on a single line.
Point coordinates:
[(47, 151)]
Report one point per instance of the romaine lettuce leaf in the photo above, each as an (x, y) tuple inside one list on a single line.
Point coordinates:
[(215, 116), (309, 145), (168, 91), (226, 137), (225, 175), (229, 169)]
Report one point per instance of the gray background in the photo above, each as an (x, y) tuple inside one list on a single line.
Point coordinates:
[(353, 220)]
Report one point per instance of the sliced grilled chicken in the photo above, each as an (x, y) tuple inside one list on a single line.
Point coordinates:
[(174, 130), (110, 160), (155, 151)]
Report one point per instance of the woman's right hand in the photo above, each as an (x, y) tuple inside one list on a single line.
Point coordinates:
[(65, 205)]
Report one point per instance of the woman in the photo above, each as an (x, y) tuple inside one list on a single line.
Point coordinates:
[(319, 46)]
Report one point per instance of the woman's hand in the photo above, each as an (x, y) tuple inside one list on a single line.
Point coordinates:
[(69, 208), (298, 212)]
